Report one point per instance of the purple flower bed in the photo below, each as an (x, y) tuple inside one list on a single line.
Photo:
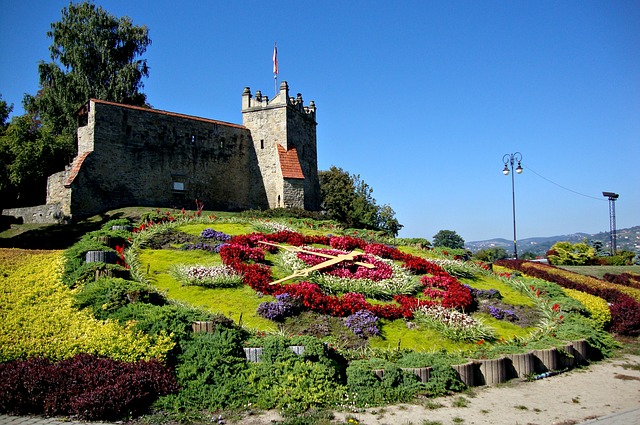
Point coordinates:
[(484, 293), (202, 246), (212, 234), (501, 314), (363, 323), (284, 306)]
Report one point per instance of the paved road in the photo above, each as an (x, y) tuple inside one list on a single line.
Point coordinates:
[(38, 420), (630, 417)]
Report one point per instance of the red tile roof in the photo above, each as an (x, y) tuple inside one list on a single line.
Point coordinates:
[(169, 114), (289, 163), (75, 167)]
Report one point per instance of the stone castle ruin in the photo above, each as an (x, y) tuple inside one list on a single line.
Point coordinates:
[(134, 156)]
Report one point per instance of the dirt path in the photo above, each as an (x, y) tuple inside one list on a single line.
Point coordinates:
[(604, 388)]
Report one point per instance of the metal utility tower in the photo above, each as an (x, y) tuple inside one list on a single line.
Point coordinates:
[(612, 219)]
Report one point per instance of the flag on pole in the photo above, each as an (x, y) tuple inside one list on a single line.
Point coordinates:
[(275, 59)]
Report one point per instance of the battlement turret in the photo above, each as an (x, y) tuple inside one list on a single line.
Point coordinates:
[(260, 101)]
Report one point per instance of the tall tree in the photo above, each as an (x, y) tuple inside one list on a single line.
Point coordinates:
[(94, 55), (349, 200), (449, 239), (5, 110)]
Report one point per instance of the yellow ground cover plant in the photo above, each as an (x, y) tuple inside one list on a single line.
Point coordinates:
[(597, 307), (37, 317)]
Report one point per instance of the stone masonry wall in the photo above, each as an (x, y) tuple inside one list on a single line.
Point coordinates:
[(151, 158)]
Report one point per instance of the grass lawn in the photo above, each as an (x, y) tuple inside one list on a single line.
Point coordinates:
[(232, 302)]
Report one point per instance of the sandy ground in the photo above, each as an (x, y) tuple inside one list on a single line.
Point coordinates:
[(604, 388)]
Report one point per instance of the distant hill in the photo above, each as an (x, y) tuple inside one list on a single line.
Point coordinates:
[(626, 239)]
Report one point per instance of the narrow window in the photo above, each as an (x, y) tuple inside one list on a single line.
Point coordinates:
[(261, 143)]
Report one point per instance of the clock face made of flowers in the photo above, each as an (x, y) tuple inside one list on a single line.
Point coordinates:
[(331, 260)]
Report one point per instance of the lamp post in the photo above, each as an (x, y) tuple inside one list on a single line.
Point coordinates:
[(509, 159), (612, 219)]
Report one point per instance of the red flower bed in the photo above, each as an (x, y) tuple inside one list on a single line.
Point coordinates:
[(625, 310), (447, 290), (258, 276)]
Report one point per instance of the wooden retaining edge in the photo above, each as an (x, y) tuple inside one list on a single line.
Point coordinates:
[(491, 371), (566, 356), (580, 351), (109, 257), (546, 360), (476, 372), (466, 373), (423, 373), (520, 365), (255, 354), (209, 327)]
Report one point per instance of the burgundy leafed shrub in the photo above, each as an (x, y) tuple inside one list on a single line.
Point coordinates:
[(625, 310), (85, 386), (626, 279)]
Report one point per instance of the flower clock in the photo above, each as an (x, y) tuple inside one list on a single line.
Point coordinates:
[(340, 278)]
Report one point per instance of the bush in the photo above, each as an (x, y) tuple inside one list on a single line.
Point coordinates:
[(294, 385), (367, 389), (75, 268), (597, 307), (40, 320), (211, 371), (105, 296), (85, 386)]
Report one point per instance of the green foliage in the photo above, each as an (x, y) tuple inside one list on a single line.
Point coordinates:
[(30, 153), (622, 258), (566, 253), (448, 239), (94, 55), (443, 379), (105, 296), (597, 307), (491, 254), (211, 372), (576, 327), (294, 385), (172, 319), (40, 320), (349, 200), (75, 269), (5, 110), (367, 389)]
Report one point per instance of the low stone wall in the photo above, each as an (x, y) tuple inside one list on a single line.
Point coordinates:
[(41, 214)]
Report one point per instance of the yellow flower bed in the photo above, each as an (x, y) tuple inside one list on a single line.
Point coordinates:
[(596, 306), (37, 317)]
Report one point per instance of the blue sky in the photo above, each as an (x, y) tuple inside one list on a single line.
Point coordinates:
[(420, 98)]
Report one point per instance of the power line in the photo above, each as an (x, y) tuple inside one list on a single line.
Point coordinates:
[(562, 187)]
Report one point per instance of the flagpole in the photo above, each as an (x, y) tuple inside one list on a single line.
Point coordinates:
[(275, 68)]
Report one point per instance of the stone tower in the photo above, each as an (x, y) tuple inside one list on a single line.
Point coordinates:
[(283, 132)]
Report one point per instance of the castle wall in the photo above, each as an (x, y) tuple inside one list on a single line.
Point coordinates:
[(152, 158), (134, 156), (288, 122), (301, 134)]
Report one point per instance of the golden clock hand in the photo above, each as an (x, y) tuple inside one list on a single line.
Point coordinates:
[(305, 272), (319, 254)]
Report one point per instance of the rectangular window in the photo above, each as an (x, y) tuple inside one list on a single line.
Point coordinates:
[(178, 186)]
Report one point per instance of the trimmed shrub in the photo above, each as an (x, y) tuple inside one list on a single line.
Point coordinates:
[(89, 387)]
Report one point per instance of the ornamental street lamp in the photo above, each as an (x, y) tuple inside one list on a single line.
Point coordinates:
[(509, 159)]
